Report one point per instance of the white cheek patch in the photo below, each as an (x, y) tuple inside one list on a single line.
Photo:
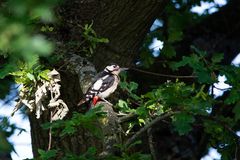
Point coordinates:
[(110, 68)]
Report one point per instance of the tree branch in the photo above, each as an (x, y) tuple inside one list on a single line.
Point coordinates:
[(222, 123), (126, 118), (162, 75), (149, 125), (151, 144)]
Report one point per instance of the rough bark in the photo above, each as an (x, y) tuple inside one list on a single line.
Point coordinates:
[(125, 23)]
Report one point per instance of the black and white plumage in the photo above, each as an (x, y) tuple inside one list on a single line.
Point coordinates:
[(104, 85)]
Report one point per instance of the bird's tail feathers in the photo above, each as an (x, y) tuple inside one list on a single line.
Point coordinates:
[(82, 101)]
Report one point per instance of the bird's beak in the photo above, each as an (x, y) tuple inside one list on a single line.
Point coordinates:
[(124, 69)]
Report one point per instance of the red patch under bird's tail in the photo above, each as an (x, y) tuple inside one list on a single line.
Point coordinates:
[(95, 100)]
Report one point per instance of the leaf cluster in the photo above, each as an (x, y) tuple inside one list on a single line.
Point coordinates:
[(91, 39), (90, 154), (195, 103), (71, 126), (18, 42), (29, 77)]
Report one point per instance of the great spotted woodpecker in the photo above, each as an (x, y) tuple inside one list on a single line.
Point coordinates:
[(105, 84)]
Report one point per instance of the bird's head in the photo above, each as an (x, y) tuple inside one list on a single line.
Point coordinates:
[(114, 69)]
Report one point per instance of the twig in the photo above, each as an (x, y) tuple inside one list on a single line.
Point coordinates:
[(50, 133), (126, 118), (151, 144), (237, 138), (149, 125), (236, 152), (63, 65), (162, 75)]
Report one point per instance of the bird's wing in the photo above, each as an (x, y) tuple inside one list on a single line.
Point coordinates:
[(97, 85), (94, 89), (99, 75), (100, 85), (107, 81)]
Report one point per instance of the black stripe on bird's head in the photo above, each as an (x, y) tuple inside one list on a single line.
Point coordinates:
[(112, 68)]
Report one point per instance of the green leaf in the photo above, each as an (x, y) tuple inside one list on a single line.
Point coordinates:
[(168, 51), (142, 111), (217, 57), (31, 77), (45, 155), (44, 74), (182, 123), (236, 111), (50, 29), (43, 29), (103, 40), (123, 106), (87, 121), (185, 60), (175, 26), (204, 77), (174, 35), (18, 73), (44, 13), (233, 97), (7, 68), (5, 146), (198, 51), (69, 129), (133, 86), (5, 87), (91, 151), (141, 121), (227, 152), (146, 58)]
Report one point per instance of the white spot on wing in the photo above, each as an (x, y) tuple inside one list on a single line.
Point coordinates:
[(97, 85), (111, 89), (103, 78)]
